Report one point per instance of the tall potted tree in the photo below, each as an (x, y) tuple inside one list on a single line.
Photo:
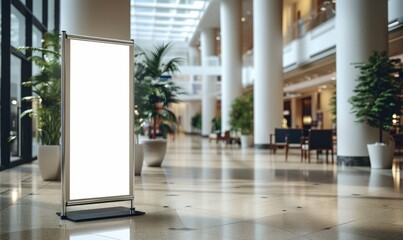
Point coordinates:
[(241, 118), (46, 86), (153, 96), (377, 96)]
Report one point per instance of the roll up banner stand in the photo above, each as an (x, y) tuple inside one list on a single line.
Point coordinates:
[(97, 126)]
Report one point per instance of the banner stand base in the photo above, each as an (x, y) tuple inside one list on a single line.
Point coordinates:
[(101, 213)]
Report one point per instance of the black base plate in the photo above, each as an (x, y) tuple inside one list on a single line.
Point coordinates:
[(101, 213)]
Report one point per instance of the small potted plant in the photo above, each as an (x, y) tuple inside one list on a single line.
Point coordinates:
[(241, 118), (196, 123), (46, 107), (377, 96), (153, 96)]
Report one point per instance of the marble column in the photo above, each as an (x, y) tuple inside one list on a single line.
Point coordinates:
[(361, 27), (268, 55), (231, 78), (209, 82)]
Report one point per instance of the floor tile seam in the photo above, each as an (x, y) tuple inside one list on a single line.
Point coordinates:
[(346, 223), (16, 203), (31, 193), (192, 191), (162, 210), (375, 214), (330, 227), (217, 226), (281, 228), (5, 207), (31, 228), (215, 212), (367, 197), (264, 226), (335, 227)]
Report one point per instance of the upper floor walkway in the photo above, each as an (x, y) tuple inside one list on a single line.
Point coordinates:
[(309, 58)]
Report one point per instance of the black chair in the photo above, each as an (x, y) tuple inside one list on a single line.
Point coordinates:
[(287, 138), (278, 139), (319, 140), (294, 139)]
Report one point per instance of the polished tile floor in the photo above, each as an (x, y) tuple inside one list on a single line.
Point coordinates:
[(212, 191)]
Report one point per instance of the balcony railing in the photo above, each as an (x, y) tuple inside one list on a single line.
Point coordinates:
[(303, 25)]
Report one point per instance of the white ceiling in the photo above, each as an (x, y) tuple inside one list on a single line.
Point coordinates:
[(166, 20)]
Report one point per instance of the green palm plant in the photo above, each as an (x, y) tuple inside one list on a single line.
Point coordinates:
[(378, 93), (153, 95), (46, 86), (241, 114)]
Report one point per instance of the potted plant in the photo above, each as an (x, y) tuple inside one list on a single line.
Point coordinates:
[(216, 125), (377, 96), (241, 118), (153, 96), (138, 146), (196, 122), (46, 88)]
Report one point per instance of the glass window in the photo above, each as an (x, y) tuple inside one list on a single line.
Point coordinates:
[(15, 101), (37, 9), (0, 41), (17, 28), (36, 42), (51, 15)]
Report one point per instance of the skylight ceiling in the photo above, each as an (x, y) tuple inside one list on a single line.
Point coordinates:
[(166, 20)]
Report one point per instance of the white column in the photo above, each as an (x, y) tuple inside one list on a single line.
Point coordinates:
[(209, 82), (100, 18), (194, 56), (361, 27), (231, 80), (268, 55)]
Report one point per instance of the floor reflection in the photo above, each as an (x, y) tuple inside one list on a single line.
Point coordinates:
[(206, 190)]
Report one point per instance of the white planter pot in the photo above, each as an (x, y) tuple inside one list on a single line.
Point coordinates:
[(381, 155), (49, 162), (246, 141), (154, 151), (139, 158)]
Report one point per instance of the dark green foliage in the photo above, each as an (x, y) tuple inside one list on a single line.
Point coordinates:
[(377, 95), (153, 96), (196, 121), (241, 114), (46, 87), (216, 125)]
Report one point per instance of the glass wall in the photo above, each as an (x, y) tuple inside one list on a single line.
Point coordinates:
[(36, 42), (17, 28), (1, 13), (23, 23), (38, 9), (15, 103)]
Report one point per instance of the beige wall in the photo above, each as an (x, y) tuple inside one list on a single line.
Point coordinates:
[(99, 18), (290, 9), (288, 16), (325, 96), (305, 7)]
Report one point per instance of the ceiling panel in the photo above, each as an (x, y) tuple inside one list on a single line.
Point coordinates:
[(168, 20)]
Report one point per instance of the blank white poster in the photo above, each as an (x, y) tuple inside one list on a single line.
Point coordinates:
[(99, 119)]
